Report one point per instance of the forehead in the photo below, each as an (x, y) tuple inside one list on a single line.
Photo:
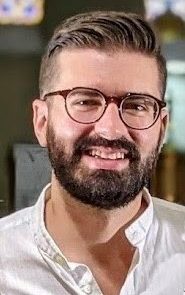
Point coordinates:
[(112, 72)]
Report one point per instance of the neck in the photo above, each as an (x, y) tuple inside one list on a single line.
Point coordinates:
[(69, 220)]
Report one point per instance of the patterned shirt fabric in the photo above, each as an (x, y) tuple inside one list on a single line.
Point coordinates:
[(32, 264)]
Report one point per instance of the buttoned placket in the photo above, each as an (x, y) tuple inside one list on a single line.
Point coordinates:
[(87, 284), (52, 255), (136, 234)]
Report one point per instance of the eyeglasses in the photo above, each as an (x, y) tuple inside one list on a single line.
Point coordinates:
[(87, 106)]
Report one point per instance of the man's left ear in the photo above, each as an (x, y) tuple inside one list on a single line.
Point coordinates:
[(164, 126)]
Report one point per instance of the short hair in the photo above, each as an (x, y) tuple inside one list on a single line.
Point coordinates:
[(103, 30)]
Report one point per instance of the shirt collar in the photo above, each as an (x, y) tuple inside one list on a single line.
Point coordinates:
[(135, 233), (44, 241)]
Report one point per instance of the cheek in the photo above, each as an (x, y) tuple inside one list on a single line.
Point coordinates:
[(147, 140), (67, 130)]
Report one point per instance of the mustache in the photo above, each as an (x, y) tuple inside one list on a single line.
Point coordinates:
[(83, 144)]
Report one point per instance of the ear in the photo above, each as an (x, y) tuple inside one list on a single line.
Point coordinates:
[(40, 120), (164, 126)]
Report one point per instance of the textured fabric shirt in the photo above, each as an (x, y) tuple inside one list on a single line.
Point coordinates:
[(32, 264)]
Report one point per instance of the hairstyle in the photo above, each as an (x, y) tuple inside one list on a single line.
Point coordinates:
[(102, 30)]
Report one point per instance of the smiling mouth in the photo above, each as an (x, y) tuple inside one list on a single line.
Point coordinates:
[(107, 153)]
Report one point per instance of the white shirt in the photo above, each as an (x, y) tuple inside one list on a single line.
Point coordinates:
[(32, 264)]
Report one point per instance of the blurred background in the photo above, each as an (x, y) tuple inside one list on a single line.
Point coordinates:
[(25, 27)]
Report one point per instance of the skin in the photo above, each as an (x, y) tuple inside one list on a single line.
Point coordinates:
[(114, 73)]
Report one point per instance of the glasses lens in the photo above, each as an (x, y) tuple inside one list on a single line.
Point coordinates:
[(85, 105), (139, 112)]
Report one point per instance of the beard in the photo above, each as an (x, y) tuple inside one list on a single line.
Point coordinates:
[(104, 189)]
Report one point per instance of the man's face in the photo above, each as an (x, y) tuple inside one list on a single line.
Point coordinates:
[(104, 164)]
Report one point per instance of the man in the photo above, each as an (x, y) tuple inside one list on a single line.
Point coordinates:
[(95, 229)]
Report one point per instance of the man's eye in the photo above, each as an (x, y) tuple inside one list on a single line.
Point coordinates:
[(86, 102), (140, 107), (136, 107)]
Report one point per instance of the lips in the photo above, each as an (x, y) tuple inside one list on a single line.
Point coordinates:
[(100, 148), (107, 153)]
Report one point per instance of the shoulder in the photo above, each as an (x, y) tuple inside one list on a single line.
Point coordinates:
[(25, 217), (171, 208), (170, 214), (17, 237), (19, 228), (15, 220), (15, 228)]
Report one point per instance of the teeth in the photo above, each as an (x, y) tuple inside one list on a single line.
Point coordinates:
[(93, 153), (104, 155)]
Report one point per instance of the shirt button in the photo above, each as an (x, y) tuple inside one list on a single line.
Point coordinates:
[(59, 259), (135, 235), (87, 289)]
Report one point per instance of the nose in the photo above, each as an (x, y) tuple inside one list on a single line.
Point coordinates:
[(110, 125)]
